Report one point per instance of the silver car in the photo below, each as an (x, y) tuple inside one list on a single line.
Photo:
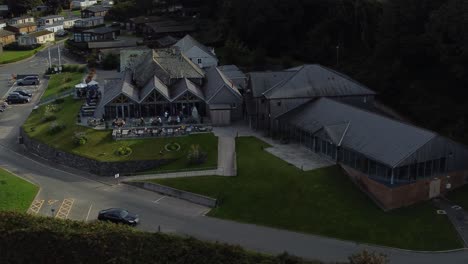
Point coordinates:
[(28, 80)]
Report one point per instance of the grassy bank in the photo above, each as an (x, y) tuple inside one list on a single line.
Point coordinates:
[(62, 82), (9, 56), (102, 147), (269, 191), (16, 194)]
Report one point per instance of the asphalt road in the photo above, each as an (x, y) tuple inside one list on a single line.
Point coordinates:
[(77, 195)]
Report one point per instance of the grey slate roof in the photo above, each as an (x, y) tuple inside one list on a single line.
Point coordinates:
[(187, 42), (166, 41), (155, 84), (184, 85), (102, 30), (97, 8), (377, 137), (337, 132), (115, 87), (176, 64), (232, 72), (216, 80), (4, 33), (262, 81), (316, 81), (51, 16)]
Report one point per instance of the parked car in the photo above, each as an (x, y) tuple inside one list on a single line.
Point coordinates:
[(15, 98), (28, 80), (61, 33), (23, 93), (118, 215)]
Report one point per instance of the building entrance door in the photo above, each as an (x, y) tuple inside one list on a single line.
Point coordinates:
[(434, 188)]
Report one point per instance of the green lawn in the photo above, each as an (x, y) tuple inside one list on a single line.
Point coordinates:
[(16, 194), (101, 146), (70, 13), (269, 191), (62, 82), (9, 56)]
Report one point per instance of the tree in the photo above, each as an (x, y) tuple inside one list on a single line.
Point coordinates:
[(53, 6), (20, 7)]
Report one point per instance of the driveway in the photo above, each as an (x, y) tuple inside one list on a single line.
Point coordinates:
[(78, 195)]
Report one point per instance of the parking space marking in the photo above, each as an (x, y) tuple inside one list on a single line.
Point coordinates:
[(36, 206), (65, 208), (204, 212), (89, 211), (51, 202), (157, 201)]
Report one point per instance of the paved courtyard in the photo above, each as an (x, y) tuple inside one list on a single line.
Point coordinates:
[(292, 153)]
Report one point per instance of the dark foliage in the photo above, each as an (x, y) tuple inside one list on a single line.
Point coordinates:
[(28, 239)]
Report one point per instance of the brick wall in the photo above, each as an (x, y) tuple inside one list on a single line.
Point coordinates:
[(404, 195)]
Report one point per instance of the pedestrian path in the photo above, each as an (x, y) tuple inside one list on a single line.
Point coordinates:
[(457, 215)]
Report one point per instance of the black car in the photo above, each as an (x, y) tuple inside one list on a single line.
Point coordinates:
[(15, 98), (117, 215), (23, 93)]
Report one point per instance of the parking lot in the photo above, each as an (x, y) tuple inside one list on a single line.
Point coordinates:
[(87, 208)]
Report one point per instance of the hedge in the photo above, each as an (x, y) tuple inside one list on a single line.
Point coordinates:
[(32, 239)]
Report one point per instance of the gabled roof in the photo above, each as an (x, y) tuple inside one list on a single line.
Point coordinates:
[(155, 84), (29, 24), (314, 80), (187, 42), (116, 87), (184, 85), (377, 137), (166, 41), (262, 81), (102, 30), (215, 81), (232, 72), (176, 64), (51, 17), (96, 8), (40, 33)]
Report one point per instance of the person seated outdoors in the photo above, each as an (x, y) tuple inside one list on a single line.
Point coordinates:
[(178, 119)]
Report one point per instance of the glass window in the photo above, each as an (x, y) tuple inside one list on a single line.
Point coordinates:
[(372, 168), (428, 169), (421, 170), (442, 165), (435, 166)]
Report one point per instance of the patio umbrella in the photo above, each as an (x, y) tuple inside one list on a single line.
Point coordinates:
[(195, 113)]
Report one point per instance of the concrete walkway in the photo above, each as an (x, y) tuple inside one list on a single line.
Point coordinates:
[(180, 174), (292, 153), (457, 215), (227, 156)]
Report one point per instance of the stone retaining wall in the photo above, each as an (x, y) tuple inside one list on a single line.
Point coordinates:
[(90, 165), (188, 196)]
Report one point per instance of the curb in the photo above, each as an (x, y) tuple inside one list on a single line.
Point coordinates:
[(21, 177)]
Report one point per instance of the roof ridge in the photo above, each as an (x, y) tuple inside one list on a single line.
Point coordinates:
[(283, 81)]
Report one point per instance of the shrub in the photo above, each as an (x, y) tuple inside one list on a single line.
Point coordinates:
[(52, 108), (55, 127), (79, 138), (124, 151), (196, 155)]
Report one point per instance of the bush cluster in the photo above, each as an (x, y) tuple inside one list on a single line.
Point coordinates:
[(52, 108), (195, 155), (48, 118), (124, 151), (80, 138), (68, 68), (55, 127)]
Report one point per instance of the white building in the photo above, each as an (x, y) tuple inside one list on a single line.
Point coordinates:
[(82, 4), (50, 20), (89, 22), (53, 28), (2, 24), (70, 22), (198, 53), (40, 37)]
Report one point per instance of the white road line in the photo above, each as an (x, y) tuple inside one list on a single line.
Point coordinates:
[(157, 201), (9, 91), (89, 211)]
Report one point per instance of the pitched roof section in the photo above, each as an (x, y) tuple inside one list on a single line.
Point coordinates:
[(216, 80), (316, 81), (5, 33), (176, 64), (187, 42), (120, 86), (155, 84), (262, 81), (183, 86), (337, 132), (380, 138)]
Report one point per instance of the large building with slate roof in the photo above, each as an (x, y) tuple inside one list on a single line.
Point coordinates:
[(395, 163), (165, 80)]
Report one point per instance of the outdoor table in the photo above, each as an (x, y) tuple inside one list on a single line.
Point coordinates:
[(114, 133), (125, 132), (189, 129), (140, 132), (202, 129)]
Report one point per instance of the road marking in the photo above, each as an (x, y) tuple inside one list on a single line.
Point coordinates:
[(157, 201), (89, 211), (36, 206), (65, 208), (204, 212), (51, 202)]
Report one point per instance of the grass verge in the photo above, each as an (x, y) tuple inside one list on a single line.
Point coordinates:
[(61, 83), (16, 194), (10, 56), (100, 145), (271, 192)]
